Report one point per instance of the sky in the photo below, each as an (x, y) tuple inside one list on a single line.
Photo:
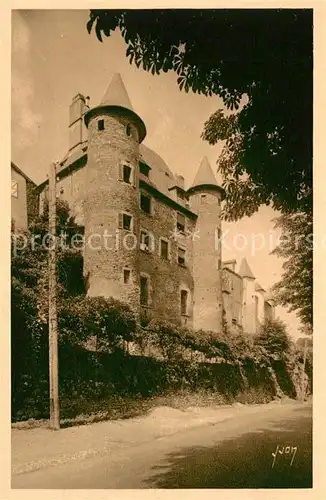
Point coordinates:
[(54, 58)]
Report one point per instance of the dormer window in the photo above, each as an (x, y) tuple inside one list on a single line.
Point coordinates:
[(180, 195), (144, 169)]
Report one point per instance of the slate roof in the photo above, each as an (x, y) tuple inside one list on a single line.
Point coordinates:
[(245, 271), (204, 174), (116, 94)]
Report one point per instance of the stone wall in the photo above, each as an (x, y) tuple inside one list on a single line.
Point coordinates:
[(167, 277)]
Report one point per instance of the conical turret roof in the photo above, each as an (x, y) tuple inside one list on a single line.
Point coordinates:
[(205, 177), (116, 100), (116, 94), (204, 174), (245, 271)]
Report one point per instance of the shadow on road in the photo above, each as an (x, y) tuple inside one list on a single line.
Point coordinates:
[(243, 462)]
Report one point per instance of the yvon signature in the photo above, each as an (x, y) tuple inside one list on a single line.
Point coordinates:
[(282, 450)]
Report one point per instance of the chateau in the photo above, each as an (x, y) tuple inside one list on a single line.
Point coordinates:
[(149, 241)]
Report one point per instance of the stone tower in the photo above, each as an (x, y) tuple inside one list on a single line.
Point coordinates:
[(111, 257), (205, 198), (249, 315)]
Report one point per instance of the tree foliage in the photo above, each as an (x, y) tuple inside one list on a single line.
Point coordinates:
[(274, 338), (79, 317), (260, 63), (295, 288), (109, 321)]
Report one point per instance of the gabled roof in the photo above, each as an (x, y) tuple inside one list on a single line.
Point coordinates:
[(116, 94), (204, 174), (19, 171), (245, 271)]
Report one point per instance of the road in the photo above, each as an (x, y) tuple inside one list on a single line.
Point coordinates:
[(237, 453)]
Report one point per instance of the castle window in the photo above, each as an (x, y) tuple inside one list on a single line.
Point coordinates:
[(184, 302), (146, 203), (127, 174), (164, 249), (144, 290), (128, 130), (126, 276), (181, 223), (181, 256), (219, 264), (146, 241), (125, 221), (62, 190), (202, 198), (100, 125), (14, 189)]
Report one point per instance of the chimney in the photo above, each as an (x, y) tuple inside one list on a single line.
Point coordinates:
[(77, 129)]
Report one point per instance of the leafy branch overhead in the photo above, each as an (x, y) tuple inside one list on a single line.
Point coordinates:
[(260, 63)]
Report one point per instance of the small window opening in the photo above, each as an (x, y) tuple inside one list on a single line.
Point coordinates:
[(127, 171), (14, 189), (145, 203), (182, 256), (126, 222), (126, 276), (184, 301), (181, 223), (100, 125), (145, 241), (164, 249)]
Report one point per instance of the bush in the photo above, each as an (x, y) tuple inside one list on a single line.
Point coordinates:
[(274, 338)]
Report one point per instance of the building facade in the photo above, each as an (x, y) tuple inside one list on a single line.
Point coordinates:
[(149, 241), (24, 199)]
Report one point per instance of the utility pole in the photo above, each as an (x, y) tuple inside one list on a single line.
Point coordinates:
[(303, 370), (53, 319)]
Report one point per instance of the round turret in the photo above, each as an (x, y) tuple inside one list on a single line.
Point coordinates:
[(111, 258), (205, 198)]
